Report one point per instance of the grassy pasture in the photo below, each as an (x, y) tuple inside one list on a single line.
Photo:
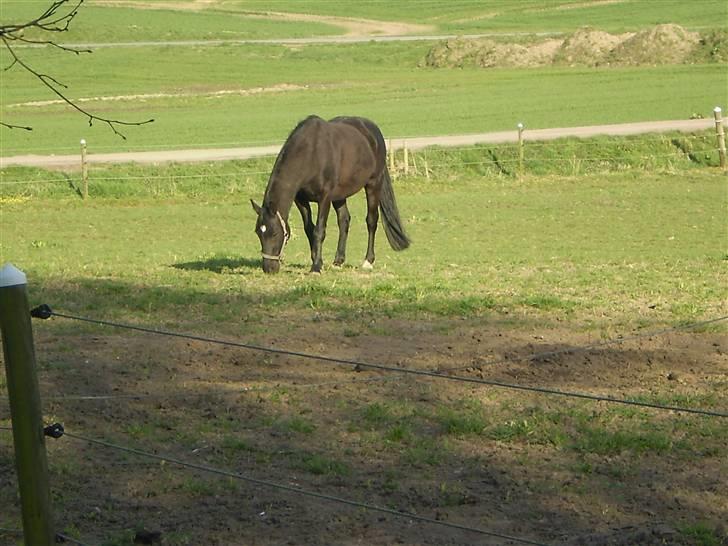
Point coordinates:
[(229, 96), (235, 95), (504, 244), (598, 239), (467, 16), (231, 19), (499, 265)]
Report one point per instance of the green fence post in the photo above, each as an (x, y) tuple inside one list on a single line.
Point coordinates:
[(25, 409)]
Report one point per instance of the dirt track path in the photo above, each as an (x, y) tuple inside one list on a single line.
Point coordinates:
[(225, 154)]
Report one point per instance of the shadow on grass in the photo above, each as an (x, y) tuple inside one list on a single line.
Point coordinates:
[(220, 264), (225, 265)]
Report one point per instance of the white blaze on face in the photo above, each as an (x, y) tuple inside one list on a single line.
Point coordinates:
[(262, 229)]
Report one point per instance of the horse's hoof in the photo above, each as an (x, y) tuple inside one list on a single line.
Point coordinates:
[(338, 265), (367, 265)]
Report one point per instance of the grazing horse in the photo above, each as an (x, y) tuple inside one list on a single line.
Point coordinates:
[(327, 162)]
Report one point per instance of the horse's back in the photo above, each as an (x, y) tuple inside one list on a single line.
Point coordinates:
[(367, 128)]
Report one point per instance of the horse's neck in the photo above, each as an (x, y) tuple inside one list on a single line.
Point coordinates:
[(279, 199)]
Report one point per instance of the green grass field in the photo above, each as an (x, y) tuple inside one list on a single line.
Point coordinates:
[(228, 19), (631, 243), (599, 240), (233, 95), (585, 210)]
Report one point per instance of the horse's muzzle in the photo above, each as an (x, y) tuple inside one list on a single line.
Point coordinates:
[(271, 266)]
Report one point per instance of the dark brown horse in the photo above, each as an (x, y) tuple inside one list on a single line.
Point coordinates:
[(326, 162)]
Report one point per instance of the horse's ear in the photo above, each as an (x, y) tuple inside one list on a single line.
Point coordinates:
[(256, 208)]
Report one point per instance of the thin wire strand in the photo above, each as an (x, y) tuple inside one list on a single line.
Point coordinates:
[(298, 491), (398, 142), (478, 366), (66, 538), (422, 373), (590, 347), (491, 162)]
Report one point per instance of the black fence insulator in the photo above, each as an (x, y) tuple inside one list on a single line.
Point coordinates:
[(55, 430), (43, 311)]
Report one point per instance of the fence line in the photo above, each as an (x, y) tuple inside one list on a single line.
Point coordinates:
[(299, 491), (19, 532), (284, 487), (430, 167), (45, 312), (478, 366)]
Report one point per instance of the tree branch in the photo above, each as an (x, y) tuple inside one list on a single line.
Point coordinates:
[(54, 19)]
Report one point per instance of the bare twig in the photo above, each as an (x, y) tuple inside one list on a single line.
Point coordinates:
[(53, 20)]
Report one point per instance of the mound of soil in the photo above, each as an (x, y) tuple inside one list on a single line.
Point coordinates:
[(662, 44), (587, 47), (459, 52)]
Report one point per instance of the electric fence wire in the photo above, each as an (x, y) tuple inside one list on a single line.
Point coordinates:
[(299, 491), (44, 311), (473, 366), (431, 167), (61, 536)]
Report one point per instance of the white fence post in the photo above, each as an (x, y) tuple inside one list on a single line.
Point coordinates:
[(720, 134)]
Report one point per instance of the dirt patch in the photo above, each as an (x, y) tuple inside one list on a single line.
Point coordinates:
[(194, 5), (663, 44), (221, 93), (375, 437), (588, 47), (353, 27)]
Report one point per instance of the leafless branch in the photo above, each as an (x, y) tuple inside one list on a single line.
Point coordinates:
[(15, 126), (54, 19)]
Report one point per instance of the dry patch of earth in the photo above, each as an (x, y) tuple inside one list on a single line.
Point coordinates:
[(222, 93), (663, 44), (380, 438), (353, 27)]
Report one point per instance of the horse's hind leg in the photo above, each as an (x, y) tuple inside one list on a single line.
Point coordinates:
[(343, 217), (372, 220)]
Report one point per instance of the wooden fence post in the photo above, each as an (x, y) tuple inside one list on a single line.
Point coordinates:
[(406, 157), (391, 158), (84, 170), (25, 409), (520, 149), (720, 134)]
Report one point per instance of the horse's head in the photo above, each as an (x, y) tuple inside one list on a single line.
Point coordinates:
[(273, 232)]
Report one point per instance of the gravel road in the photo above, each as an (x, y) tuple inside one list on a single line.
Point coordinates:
[(414, 143)]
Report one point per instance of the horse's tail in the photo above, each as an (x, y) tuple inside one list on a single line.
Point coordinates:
[(393, 228)]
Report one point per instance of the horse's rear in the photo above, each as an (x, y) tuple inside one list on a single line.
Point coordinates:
[(381, 188)]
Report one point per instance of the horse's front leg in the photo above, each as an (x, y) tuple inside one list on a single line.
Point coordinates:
[(319, 234), (343, 218), (305, 209), (372, 220)]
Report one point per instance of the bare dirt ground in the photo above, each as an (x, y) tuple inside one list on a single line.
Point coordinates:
[(237, 409), (352, 27), (661, 44)]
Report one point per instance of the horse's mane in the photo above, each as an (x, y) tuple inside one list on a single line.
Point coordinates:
[(287, 145)]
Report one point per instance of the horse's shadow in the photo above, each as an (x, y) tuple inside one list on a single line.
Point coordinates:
[(225, 265), (220, 265)]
